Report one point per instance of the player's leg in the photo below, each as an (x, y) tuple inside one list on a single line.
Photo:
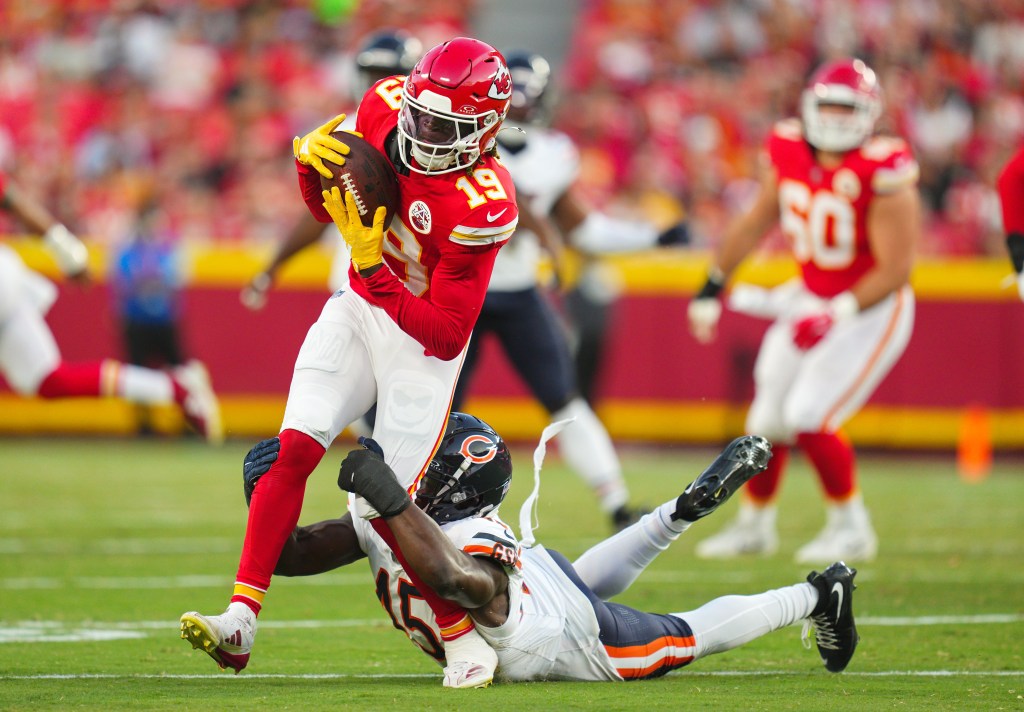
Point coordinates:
[(332, 384), (753, 530), (535, 343), (836, 379), (413, 402), (611, 567)]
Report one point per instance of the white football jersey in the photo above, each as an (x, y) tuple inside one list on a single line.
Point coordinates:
[(544, 169), (551, 632)]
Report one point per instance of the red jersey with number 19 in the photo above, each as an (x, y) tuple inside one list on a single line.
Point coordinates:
[(823, 212), (441, 245)]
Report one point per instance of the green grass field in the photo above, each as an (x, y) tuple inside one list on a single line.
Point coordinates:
[(104, 543)]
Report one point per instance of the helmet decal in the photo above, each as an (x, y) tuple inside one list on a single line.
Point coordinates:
[(490, 449), (501, 87)]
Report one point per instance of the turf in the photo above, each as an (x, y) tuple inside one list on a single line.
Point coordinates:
[(104, 543)]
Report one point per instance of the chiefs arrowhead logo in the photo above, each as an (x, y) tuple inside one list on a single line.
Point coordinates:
[(501, 87)]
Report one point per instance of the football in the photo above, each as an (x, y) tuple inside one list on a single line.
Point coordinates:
[(368, 175)]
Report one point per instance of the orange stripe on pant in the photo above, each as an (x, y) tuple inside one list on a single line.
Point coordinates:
[(826, 425), (635, 661)]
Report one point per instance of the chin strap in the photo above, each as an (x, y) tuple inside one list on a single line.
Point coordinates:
[(528, 512)]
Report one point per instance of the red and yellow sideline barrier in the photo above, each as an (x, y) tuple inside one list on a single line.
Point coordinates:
[(659, 385)]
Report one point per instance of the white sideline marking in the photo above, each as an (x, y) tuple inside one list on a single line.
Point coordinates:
[(409, 676), (65, 632)]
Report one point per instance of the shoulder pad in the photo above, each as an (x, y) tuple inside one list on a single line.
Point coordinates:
[(486, 537)]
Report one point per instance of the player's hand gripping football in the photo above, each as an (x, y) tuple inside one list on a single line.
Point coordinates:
[(321, 145), (366, 243)]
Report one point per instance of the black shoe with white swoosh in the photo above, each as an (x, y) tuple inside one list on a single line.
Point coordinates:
[(834, 629), (741, 459)]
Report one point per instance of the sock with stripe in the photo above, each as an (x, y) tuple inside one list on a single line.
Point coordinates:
[(452, 619), (273, 513), (108, 378), (832, 456)]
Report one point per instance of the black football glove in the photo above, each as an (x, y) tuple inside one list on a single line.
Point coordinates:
[(678, 234), (257, 463), (364, 472)]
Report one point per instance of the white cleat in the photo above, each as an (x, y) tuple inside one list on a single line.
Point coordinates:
[(227, 638), (847, 536), (752, 533), (839, 544), (200, 405), (471, 662)]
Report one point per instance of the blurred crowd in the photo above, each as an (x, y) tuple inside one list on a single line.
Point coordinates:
[(110, 105)]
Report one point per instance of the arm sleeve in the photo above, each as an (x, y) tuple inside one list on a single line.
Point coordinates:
[(312, 192), (457, 289), (1011, 194), (600, 233)]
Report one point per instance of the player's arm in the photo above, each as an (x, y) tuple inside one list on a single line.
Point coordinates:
[(68, 250), (739, 240), (547, 234), (453, 574), (893, 228), (593, 232), (320, 547), (458, 283), (1011, 198), (303, 234)]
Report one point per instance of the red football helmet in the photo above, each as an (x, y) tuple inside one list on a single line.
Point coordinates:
[(845, 82), (453, 103)]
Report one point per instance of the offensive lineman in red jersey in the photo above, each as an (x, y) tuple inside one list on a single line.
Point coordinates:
[(398, 336), (1011, 197), (847, 203)]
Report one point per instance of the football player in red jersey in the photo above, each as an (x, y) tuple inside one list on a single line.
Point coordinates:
[(1011, 197), (398, 335), (30, 359), (847, 203)]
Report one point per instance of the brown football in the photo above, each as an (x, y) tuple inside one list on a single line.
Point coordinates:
[(368, 175)]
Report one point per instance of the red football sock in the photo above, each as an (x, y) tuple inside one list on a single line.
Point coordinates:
[(70, 380), (273, 514), (762, 488), (832, 456), (452, 619)]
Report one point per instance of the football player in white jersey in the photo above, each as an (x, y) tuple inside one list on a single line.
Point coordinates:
[(30, 360), (545, 164), (546, 618)]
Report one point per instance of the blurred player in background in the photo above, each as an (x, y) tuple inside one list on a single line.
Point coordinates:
[(1011, 197), (544, 165), (397, 337), (550, 619), (847, 202), (30, 360), (146, 282), (383, 54)]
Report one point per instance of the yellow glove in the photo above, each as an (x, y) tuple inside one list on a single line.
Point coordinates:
[(321, 145), (366, 243)]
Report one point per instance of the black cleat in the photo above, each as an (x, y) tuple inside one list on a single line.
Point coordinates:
[(626, 516), (740, 460), (832, 619)]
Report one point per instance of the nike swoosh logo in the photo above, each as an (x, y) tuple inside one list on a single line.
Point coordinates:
[(492, 218), (837, 588)]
